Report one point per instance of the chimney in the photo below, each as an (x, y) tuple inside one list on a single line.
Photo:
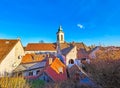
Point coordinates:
[(50, 61), (48, 55), (7, 42)]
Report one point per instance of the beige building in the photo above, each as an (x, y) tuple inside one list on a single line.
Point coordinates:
[(11, 52), (70, 55)]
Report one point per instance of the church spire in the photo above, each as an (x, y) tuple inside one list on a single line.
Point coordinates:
[(60, 35), (60, 28)]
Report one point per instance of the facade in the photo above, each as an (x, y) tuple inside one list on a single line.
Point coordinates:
[(11, 52), (29, 70), (70, 55), (31, 65)]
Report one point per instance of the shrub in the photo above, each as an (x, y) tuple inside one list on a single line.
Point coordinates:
[(105, 72), (36, 83), (67, 84)]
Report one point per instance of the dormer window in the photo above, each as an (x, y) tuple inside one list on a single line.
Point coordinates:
[(60, 69)]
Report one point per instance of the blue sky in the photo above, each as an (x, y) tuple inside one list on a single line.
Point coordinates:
[(89, 21)]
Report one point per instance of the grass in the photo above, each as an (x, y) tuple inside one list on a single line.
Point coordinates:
[(20, 82), (14, 82)]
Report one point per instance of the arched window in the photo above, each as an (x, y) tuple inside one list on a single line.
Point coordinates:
[(71, 61), (58, 37), (61, 37)]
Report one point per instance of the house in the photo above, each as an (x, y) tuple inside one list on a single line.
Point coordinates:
[(54, 72), (31, 65), (11, 53), (107, 53), (70, 54), (82, 53), (40, 48), (76, 72), (92, 53)]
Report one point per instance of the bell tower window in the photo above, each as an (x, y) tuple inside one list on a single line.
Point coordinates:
[(61, 37), (57, 37)]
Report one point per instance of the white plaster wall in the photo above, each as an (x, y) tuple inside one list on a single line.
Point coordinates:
[(71, 55), (26, 73), (11, 61), (30, 52)]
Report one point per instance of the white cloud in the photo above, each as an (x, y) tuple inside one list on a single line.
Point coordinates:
[(80, 26)]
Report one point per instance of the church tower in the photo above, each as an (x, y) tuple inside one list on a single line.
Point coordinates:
[(60, 35)]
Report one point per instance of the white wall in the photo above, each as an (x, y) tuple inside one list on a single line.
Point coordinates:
[(30, 52), (26, 73), (11, 61), (71, 55)]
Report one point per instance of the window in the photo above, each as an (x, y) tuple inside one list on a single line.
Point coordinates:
[(61, 37), (37, 72), (30, 73), (58, 37)]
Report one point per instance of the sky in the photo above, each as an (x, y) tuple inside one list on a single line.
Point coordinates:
[(88, 21)]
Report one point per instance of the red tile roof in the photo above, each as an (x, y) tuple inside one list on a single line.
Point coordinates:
[(54, 73), (82, 53), (52, 46), (55, 76), (30, 58), (73, 70), (40, 46), (5, 47)]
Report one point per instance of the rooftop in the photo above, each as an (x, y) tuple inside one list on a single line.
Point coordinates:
[(6, 46), (30, 58)]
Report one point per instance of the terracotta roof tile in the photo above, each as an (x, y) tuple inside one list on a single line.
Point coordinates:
[(40, 46), (56, 64), (53, 71), (52, 46), (30, 58), (55, 76), (5, 47), (82, 53)]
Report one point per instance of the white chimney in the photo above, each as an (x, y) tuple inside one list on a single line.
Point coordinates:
[(6, 42), (50, 61)]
